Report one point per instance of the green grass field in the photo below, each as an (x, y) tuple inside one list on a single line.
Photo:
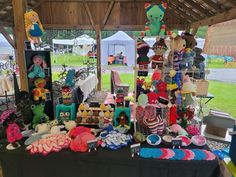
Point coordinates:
[(70, 60), (218, 63)]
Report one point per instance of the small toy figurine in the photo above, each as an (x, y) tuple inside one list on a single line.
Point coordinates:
[(155, 13), (159, 48), (33, 27), (37, 69), (142, 50), (66, 95), (135, 149), (120, 97), (39, 115), (39, 91), (8, 118)]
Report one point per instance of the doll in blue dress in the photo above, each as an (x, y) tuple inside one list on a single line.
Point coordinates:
[(33, 27)]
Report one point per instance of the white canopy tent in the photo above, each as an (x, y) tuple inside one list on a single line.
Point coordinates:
[(83, 44), (119, 42), (5, 47)]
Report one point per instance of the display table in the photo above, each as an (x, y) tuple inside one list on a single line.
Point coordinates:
[(88, 85), (103, 163)]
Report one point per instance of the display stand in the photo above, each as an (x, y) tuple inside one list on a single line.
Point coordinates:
[(41, 72)]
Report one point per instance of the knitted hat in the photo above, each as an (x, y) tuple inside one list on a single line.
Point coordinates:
[(6, 114), (142, 44)]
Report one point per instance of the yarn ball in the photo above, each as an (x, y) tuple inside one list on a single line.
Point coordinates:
[(193, 130)]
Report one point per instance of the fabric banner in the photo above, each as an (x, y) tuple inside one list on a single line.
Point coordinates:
[(221, 39)]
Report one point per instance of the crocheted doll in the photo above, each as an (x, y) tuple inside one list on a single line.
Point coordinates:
[(159, 48), (198, 62), (37, 69), (187, 92), (155, 13), (13, 132), (177, 46), (189, 54), (33, 27), (142, 50)]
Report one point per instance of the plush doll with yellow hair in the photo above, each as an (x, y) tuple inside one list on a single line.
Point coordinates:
[(33, 27)]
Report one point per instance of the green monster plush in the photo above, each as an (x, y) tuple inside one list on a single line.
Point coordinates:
[(39, 115), (155, 14)]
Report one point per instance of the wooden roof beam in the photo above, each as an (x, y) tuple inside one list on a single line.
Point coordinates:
[(7, 36), (107, 15), (218, 18), (232, 2), (185, 15), (3, 7), (196, 6), (212, 5), (89, 14), (183, 6)]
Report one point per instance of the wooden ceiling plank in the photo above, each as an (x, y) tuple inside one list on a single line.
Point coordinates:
[(183, 6), (5, 5), (196, 6), (107, 15), (213, 5), (89, 14), (185, 15), (232, 2), (7, 36), (218, 18)]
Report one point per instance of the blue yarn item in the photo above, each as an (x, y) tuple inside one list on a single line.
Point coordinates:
[(150, 152), (180, 154), (36, 32), (153, 139)]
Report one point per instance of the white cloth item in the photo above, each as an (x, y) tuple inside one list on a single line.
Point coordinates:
[(87, 85)]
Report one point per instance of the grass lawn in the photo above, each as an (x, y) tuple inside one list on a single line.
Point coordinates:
[(69, 59), (219, 63), (225, 97)]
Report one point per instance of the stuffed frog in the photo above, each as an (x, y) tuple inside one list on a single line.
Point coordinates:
[(39, 115)]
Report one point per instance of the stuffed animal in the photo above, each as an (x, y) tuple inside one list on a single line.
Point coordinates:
[(39, 91), (13, 132), (66, 95), (159, 48), (152, 98), (142, 50), (177, 46), (189, 54), (155, 13), (198, 62), (39, 115), (37, 69), (123, 120), (33, 27), (69, 124)]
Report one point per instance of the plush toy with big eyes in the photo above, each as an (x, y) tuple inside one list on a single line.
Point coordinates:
[(142, 50), (123, 120), (8, 119), (33, 26), (39, 115), (37, 69), (155, 25)]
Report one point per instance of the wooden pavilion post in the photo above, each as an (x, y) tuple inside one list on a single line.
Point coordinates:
[(99, 68), (19, 8)]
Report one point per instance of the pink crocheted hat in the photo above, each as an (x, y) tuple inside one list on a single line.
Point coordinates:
[(6, 114)]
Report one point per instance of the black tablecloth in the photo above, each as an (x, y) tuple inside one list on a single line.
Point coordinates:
[(101, 163)]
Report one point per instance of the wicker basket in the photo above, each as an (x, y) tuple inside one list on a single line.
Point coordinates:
[(202, 87)]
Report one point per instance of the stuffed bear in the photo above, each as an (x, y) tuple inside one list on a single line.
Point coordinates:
[(159, 48), (155, 13), (198, 62), (189, 54)]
